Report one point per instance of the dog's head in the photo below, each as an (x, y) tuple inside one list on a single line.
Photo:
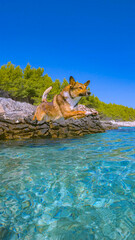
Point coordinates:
[(78, 89)]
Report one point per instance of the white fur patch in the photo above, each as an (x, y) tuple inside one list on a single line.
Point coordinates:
[(72, 101)]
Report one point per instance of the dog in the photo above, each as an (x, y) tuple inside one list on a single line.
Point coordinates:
[(63, 104)]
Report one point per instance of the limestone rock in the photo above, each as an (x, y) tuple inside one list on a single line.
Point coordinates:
[(1, 110), (16, 123)]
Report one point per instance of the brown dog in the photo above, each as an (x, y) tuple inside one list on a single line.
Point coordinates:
[(63, 104)]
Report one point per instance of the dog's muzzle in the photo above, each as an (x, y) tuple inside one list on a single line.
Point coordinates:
[(85, 94), (88, 93)]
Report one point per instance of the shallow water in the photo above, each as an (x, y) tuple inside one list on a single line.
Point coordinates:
[(82, 188)]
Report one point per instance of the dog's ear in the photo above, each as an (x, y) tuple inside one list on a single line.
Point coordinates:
[(71, 81), (87, 83)]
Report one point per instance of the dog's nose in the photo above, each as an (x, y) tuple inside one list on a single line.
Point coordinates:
[(88, 93)]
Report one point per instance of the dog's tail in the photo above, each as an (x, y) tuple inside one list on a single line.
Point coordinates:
[(45, 94)]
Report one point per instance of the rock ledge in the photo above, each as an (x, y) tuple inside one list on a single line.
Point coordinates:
[(16, 123)]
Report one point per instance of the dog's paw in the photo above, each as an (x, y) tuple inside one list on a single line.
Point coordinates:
[(93, 112), (88, 113)]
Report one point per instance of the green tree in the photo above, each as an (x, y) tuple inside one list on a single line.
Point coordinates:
[(64, 84), (10, 77)]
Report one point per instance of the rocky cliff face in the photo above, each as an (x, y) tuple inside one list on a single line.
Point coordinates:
[(16, 123)]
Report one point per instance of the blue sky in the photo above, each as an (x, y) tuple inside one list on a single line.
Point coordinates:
[(91, 39)]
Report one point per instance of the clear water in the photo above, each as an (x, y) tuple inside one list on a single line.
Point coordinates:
[(80, 189)]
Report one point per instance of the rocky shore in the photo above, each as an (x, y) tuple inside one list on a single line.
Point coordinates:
[(124, 124), (116, 124), (16, 123)]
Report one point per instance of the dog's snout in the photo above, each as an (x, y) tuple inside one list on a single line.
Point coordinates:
[(88, 92)]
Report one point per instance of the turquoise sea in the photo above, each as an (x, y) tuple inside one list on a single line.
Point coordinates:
[(66, 189)]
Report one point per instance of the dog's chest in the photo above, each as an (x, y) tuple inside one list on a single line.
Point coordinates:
[(72, 101)]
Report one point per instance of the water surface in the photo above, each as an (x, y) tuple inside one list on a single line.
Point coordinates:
[(82, 188)]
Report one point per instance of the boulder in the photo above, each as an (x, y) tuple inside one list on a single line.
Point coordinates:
[(16, 123)]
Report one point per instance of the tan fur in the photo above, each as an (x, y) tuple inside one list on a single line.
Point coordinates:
[(63, 104)]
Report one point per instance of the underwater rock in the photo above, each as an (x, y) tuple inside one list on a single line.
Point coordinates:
[(16, 123), (6, 233)]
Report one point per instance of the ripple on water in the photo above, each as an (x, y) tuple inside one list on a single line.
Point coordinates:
[(79, 188)]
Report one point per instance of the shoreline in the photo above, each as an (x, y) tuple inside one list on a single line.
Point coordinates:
[(123, 123)]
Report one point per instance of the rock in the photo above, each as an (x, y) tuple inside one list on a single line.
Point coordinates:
[(123, 124), (15, 110), (6, 233), (1, 110), (16, 123), (109, 125)]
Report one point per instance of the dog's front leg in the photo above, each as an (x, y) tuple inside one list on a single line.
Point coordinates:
[(75, 114), (82, 115)]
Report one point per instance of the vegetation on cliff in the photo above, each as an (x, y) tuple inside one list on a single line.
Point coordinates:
[(30, 83)]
